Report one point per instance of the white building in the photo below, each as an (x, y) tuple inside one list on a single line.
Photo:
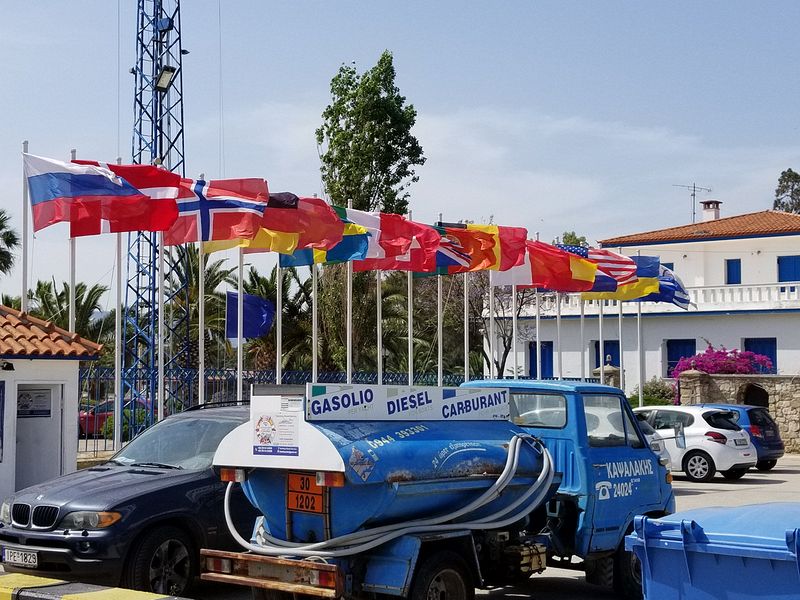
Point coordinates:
[(738, 272), (38, 399)]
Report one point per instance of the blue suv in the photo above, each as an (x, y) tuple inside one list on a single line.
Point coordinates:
[(763, 430)]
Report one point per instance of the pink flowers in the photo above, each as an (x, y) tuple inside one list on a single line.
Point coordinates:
[(732, 362)]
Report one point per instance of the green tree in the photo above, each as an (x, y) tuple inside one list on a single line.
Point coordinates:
[(367, 150), (573, 239), (9, 240), (51, 304), (787, 194)]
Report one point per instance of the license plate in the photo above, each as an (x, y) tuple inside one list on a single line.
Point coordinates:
[(20, 558), (303, 494), (768, 433), (741, 442)]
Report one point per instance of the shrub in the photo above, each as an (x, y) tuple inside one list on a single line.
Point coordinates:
[(723, 361), (656, 392), (108, 426)]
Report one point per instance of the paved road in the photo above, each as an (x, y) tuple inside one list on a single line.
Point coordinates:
[(782, 484)]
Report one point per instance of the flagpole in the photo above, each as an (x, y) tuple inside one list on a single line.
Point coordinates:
[(558, 334), (71, 327), (439, 330), (379, 321), (279, 324), (349, 315), (491, 329), (240, 330), (583, 341), (118, 400), (621, 352), (314, 323), (640, 348), (466, 326), (25, 233), (514, 329), (161, 265), (538, 336), (410, 321), (201, 319), (601, 345)]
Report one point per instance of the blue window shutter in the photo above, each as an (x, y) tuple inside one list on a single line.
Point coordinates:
[(733, 271), (766, 346), (610, 347), (547, 360), (676, 350), (670, 266)]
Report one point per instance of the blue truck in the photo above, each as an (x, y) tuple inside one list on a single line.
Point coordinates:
[(416, 492)]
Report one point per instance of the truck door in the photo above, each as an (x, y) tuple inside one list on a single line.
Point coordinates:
[(626, 472)]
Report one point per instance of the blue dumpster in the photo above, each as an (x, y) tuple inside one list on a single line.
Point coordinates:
[(730, 553)]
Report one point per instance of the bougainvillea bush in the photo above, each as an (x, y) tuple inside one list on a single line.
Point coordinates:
[(722, 361)]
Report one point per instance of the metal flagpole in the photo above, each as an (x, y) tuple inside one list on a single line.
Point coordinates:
[(314, 323), (439, 330), (118, 399), (583, 341), (201, 319), (25, 234), (640, 347), (379, 321), (279, 325), (349, 315), (466, 326), (514, 329), (601, 345), (410, 319), (239, 331), (621, 351), (161, 269), (73, 156), (538, 335), (491, 328), (558, 334)]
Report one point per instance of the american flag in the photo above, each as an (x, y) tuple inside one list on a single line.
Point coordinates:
[(615, 265)]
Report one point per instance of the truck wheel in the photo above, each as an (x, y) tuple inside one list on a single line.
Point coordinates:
[(600, 571), (162, 562), (698, 466), (442, 576), (766, 465), (733, 474), (627, 574)]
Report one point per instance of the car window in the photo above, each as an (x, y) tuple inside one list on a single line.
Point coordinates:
[(606, 423), (539, 410), (185, 442), (644, 426), (667, 419), (721, 420), (760, 417)]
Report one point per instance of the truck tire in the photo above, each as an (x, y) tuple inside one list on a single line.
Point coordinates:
[(443, 576), (733, 474), (699, 466), (766, 465), (163, 561), (627, 574), (600, 571)]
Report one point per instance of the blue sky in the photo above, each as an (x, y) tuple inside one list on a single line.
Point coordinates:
[(551, 115)]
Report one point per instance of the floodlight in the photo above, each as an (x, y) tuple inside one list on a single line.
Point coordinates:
[(165, 77)]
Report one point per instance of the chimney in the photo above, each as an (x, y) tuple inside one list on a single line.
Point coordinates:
[(710, 209)]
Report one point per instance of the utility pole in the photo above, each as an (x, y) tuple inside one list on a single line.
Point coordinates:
[(693, 188)]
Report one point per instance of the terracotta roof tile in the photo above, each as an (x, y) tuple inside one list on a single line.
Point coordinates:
[(763, 223), (26, 336)]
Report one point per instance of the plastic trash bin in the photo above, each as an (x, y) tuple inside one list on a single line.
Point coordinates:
[(730, 553)]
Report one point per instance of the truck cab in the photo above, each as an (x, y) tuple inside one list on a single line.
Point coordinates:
[(609, 473)]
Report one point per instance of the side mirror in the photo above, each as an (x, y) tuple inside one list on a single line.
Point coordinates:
[(680, 435)]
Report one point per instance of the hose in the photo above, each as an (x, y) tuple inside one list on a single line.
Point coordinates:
[(361, 541)]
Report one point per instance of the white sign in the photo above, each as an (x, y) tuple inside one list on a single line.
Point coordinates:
[(275, 423), (395, 403)]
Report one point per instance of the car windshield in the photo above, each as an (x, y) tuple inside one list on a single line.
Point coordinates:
[(760, 417), (180, 442), (721, 420)]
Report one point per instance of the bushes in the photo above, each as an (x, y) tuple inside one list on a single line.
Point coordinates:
[(141, 417), (656, 392), (723, 361)]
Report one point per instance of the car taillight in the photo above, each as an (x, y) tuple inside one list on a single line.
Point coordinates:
[(715, 436), (755, 431)]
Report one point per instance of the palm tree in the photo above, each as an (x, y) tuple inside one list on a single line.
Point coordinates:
[(52, 305), (9, 240)]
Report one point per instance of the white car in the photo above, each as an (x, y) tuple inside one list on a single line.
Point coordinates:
[(655, 441), (701, 441)]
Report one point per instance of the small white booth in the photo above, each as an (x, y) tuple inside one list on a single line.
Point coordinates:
[(39, 399)]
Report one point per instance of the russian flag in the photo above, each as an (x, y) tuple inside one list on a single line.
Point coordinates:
[(91, 197)]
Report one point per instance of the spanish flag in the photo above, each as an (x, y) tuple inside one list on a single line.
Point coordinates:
[(647, 271)]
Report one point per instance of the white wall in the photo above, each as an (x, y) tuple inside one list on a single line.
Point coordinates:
[(62, 373), (721, 330)]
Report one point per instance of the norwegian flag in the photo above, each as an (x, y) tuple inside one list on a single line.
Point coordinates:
[(222, 209), (619, 267)]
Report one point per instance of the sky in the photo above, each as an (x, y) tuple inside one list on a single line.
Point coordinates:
[(556, 116)]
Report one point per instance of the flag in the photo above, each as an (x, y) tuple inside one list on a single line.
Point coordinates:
[(257, 315), (354, 245), (86, 195), (222, 209), (647, 270), (670, 289), (551, 268), (509, 244), (420, 257), (462, 250), (312, 220), (389, 234), (617, 266)]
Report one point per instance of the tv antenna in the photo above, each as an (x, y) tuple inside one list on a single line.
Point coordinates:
[(693, 188)]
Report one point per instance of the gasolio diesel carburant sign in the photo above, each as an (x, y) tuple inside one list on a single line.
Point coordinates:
[(404, 403)]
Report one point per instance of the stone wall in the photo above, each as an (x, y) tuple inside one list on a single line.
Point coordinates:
[(784, 396)]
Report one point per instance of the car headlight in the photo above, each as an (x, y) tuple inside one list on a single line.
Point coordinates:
[(89, 519), (5, 512)]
